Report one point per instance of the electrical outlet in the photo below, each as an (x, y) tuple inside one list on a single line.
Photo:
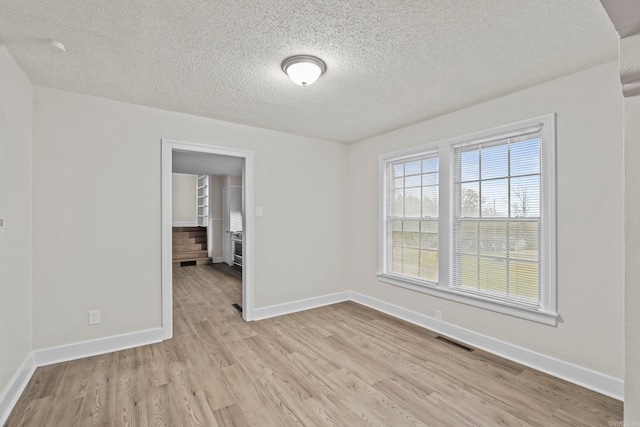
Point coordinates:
[(259, 211), (94, 317), (1, 219), (439, 315)]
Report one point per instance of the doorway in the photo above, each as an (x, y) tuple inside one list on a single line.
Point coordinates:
[(202, 156)]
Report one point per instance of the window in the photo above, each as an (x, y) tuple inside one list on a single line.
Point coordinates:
[(412, 217), (472, 219), (496, 220)]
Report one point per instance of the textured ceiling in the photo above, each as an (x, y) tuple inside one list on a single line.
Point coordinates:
[(390, 63)]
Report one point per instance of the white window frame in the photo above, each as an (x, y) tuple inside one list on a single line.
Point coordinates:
[(405, 159), (547, 312)]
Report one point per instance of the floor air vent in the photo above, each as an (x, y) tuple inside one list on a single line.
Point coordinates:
[(187, 263), (453, 343), (237, 307)]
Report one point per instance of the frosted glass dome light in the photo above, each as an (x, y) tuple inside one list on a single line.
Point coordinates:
[(304, 70)]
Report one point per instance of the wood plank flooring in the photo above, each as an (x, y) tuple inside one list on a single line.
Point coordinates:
[(341, 365)]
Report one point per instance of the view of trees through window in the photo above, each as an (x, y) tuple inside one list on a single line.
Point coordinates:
[(471, 219), (496, 229), (413, 217), (497, 222)]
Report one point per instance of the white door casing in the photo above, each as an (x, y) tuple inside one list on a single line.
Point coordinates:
[(168, 147)]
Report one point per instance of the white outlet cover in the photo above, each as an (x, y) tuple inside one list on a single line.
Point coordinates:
[(94, 317)]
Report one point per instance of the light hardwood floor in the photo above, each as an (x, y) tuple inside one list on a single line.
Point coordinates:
[(341, 365)]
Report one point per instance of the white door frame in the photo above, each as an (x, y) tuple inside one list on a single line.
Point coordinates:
[(168, 147)]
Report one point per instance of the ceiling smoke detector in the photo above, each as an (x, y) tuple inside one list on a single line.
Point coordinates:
[(304, 70)]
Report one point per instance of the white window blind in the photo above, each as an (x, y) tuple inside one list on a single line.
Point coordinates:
[(497, 227), (411, 215), (472, 219)]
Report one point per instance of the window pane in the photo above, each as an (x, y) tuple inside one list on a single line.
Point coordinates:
[(398, 170), (412, 202), (470, 203), (495, 162), (430, 202), (396, 247), (469, 271), (493, 238), (430, 179), (396, 200), (523, 279), (398, 183), (493, 275), (411, 234), (396, 259), (525, 157), (412, 181), (429, 265), (430, 165), (411, 262), (523, 240), (429, 235), (429, 226), (495, 198), (525, 196), (413, 168), (411, 226), (469, 237), (469, 166), (396, 233)]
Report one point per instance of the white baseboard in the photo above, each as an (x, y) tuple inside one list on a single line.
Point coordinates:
[(597, 381), (593, 380), (585, 377), (184, 224), (216, 259), (300, 305), (64, 353), (16, 386)]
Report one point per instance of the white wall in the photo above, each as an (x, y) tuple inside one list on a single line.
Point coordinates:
[(589, 218), (632, 247), (230, 180), (97, 238), (184, 198), (15, 207), (234, 198)]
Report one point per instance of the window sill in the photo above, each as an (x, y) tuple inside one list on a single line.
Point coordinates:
[(526, 313)]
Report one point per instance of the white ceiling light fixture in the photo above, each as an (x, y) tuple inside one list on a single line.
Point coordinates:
[(304, 70), (57, 45)]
